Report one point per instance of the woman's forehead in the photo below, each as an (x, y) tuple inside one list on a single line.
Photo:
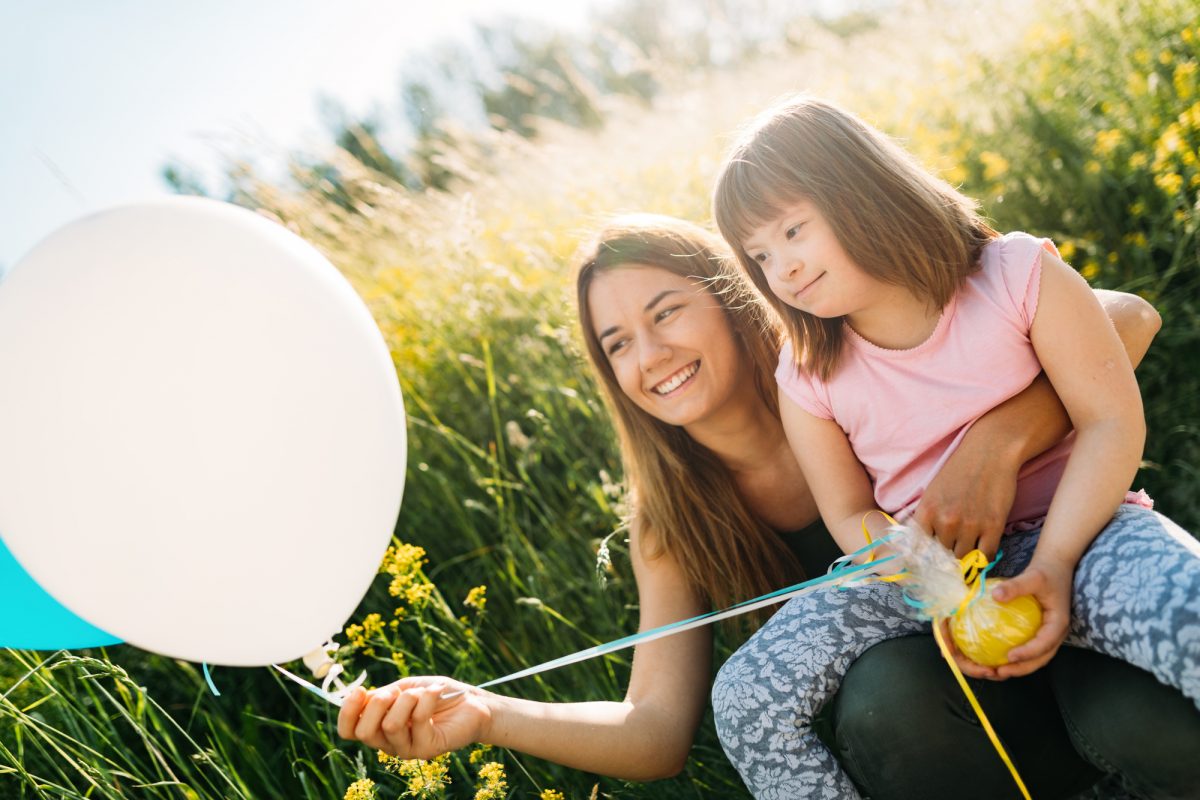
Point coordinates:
[(636, 287)]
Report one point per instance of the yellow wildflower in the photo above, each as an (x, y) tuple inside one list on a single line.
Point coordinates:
[(1107, 142), (1170, 182), (1137, 239), (418, 594), (403, 559), (372, 625), (1092, 167), (1067, 251), (1139, 160), (426, 779), (994, 165), (550, 794), (476, 598), (479, 753), (355, 637), (1185, 80), (361, 790), (492, 783), (1165, 57), (1090, 270)]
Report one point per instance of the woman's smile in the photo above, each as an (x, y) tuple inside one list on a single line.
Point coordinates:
[(677, 381)]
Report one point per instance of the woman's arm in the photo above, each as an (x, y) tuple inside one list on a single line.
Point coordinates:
[(966, 505), (1084, 360), (646, 736)]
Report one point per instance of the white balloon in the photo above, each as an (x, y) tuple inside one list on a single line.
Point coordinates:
[(202, 439)]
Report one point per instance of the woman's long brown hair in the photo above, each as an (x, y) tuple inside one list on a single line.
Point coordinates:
[(684, 500)]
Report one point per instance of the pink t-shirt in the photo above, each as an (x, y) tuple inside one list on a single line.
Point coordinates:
[(905, 411)]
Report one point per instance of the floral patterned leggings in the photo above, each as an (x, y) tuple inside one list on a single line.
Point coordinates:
[(1136, 598)]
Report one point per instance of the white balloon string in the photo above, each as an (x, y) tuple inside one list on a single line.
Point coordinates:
[(843, 570)]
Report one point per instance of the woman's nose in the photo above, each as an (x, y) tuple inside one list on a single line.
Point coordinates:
[(653, 352)]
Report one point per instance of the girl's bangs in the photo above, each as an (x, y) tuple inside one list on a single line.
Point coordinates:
[(750, 195)]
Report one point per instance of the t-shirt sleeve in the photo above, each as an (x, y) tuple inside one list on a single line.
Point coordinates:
[(798, 387), (1020, 270)]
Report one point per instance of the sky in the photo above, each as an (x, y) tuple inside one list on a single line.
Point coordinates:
[(96, 97)]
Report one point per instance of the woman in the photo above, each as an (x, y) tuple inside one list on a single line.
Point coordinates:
[(686, 361)]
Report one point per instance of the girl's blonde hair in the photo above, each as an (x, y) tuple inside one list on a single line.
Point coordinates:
[(683, 498), (896, 221)]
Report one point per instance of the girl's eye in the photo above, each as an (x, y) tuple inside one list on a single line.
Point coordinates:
[(616, 346), (760, 258), (795, 229)]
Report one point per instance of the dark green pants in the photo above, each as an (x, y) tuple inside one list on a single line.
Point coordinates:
[(902, 728)]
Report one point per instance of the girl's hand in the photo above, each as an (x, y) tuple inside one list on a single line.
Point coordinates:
[(1050, 583), (409, 719), (965, 665)]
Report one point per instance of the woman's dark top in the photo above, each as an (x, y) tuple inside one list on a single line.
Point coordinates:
[(813, 547)]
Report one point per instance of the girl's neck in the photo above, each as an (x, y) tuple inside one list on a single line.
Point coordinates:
[(896, 319)]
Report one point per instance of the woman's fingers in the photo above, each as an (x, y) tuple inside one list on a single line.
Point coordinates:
[(367, 728), (350, 711), (396, 728)]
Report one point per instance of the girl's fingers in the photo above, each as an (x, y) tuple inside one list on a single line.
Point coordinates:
[(1047, 639)]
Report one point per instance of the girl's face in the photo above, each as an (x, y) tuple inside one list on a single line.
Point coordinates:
[(805, 266), (670, 346)]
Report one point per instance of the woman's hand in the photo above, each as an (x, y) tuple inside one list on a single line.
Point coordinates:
[(966, 504), (410, 719), (1050, 583)]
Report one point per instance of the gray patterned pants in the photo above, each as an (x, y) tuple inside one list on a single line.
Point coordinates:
[(1136, 598)]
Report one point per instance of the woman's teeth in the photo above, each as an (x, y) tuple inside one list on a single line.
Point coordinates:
[(676, 380)]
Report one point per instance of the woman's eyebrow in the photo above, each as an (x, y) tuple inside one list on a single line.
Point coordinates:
[(658, 298), (653, 302)]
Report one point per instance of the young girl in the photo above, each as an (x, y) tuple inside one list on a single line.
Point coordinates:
[(907, 317)]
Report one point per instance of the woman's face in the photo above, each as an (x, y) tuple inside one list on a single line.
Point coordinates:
[(670, 345)]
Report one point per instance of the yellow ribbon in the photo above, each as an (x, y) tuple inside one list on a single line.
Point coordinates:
[(972, 565)]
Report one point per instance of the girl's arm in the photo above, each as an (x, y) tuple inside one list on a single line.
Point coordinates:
[(644, 737), (1087, 365), (836, 478), (966, 505)]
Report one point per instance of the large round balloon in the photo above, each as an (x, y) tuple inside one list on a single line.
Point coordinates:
[(202, 439)]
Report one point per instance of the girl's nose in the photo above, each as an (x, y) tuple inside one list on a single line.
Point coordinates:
[(789, 265)]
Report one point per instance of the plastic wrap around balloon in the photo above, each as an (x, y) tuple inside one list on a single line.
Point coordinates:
[(202, 440)]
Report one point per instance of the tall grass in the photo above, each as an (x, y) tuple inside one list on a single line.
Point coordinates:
[(514, 478)]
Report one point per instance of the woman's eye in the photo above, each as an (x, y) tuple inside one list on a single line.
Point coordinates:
[(666, 312), (795, 229), (616, 346)]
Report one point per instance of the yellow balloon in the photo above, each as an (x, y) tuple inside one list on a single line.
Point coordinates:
[(987, 629)]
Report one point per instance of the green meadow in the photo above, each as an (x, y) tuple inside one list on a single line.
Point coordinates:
[(1081, 124)]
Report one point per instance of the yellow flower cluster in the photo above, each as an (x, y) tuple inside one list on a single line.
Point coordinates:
[(479, 753), (361, 790), (492, 783), (550, 794), (476, 598), (403, 562), (426, 780), (359, 634)]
